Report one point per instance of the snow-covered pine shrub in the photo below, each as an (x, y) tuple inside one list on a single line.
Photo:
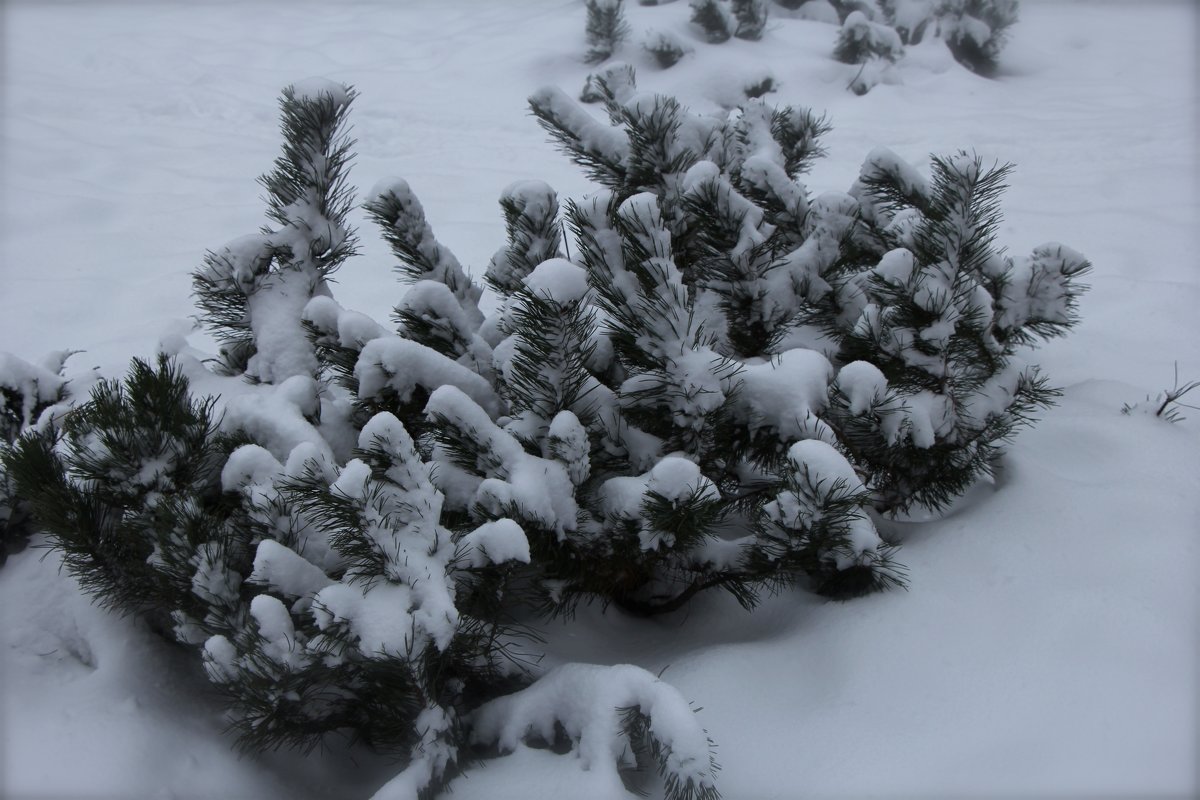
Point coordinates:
[(714, 20), (665, 47), (127, 485), (720, 391), (26, 392), (942, 317), (751, 16), (757, 88), (899, 282), (976, 30), (860, 40), (911, 19), (295, 530), (606, 28)]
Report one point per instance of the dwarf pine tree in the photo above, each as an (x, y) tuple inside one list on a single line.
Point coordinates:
[(714, 20), (665, 48), (899, 282), (718, 383), (975, 31), (751, 16), (606, 28), (860, 40), (943, 313)]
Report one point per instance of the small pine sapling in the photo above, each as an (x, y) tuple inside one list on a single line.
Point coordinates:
[(861, 40), (665, 47), (941, 316), (977, 30), (764, 85), (714, 20), (606, 28), (911, 19), (751, 17), (1166, 403)]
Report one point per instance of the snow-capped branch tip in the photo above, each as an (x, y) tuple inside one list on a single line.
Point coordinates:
[(608, 713)]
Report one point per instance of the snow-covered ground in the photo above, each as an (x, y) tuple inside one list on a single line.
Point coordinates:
[(1048, 643)]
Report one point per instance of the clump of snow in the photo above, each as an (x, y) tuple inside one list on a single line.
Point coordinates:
[(785, 395), (567, 441), (350, 329), (249, 465), (495, 542), (825, 463), (863, 385), (316, 89), (819, 11), (283, 570), (929, 416), (558, 280), (279, 417)]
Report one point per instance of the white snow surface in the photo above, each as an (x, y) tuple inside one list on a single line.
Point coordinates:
[(1047, 644)]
